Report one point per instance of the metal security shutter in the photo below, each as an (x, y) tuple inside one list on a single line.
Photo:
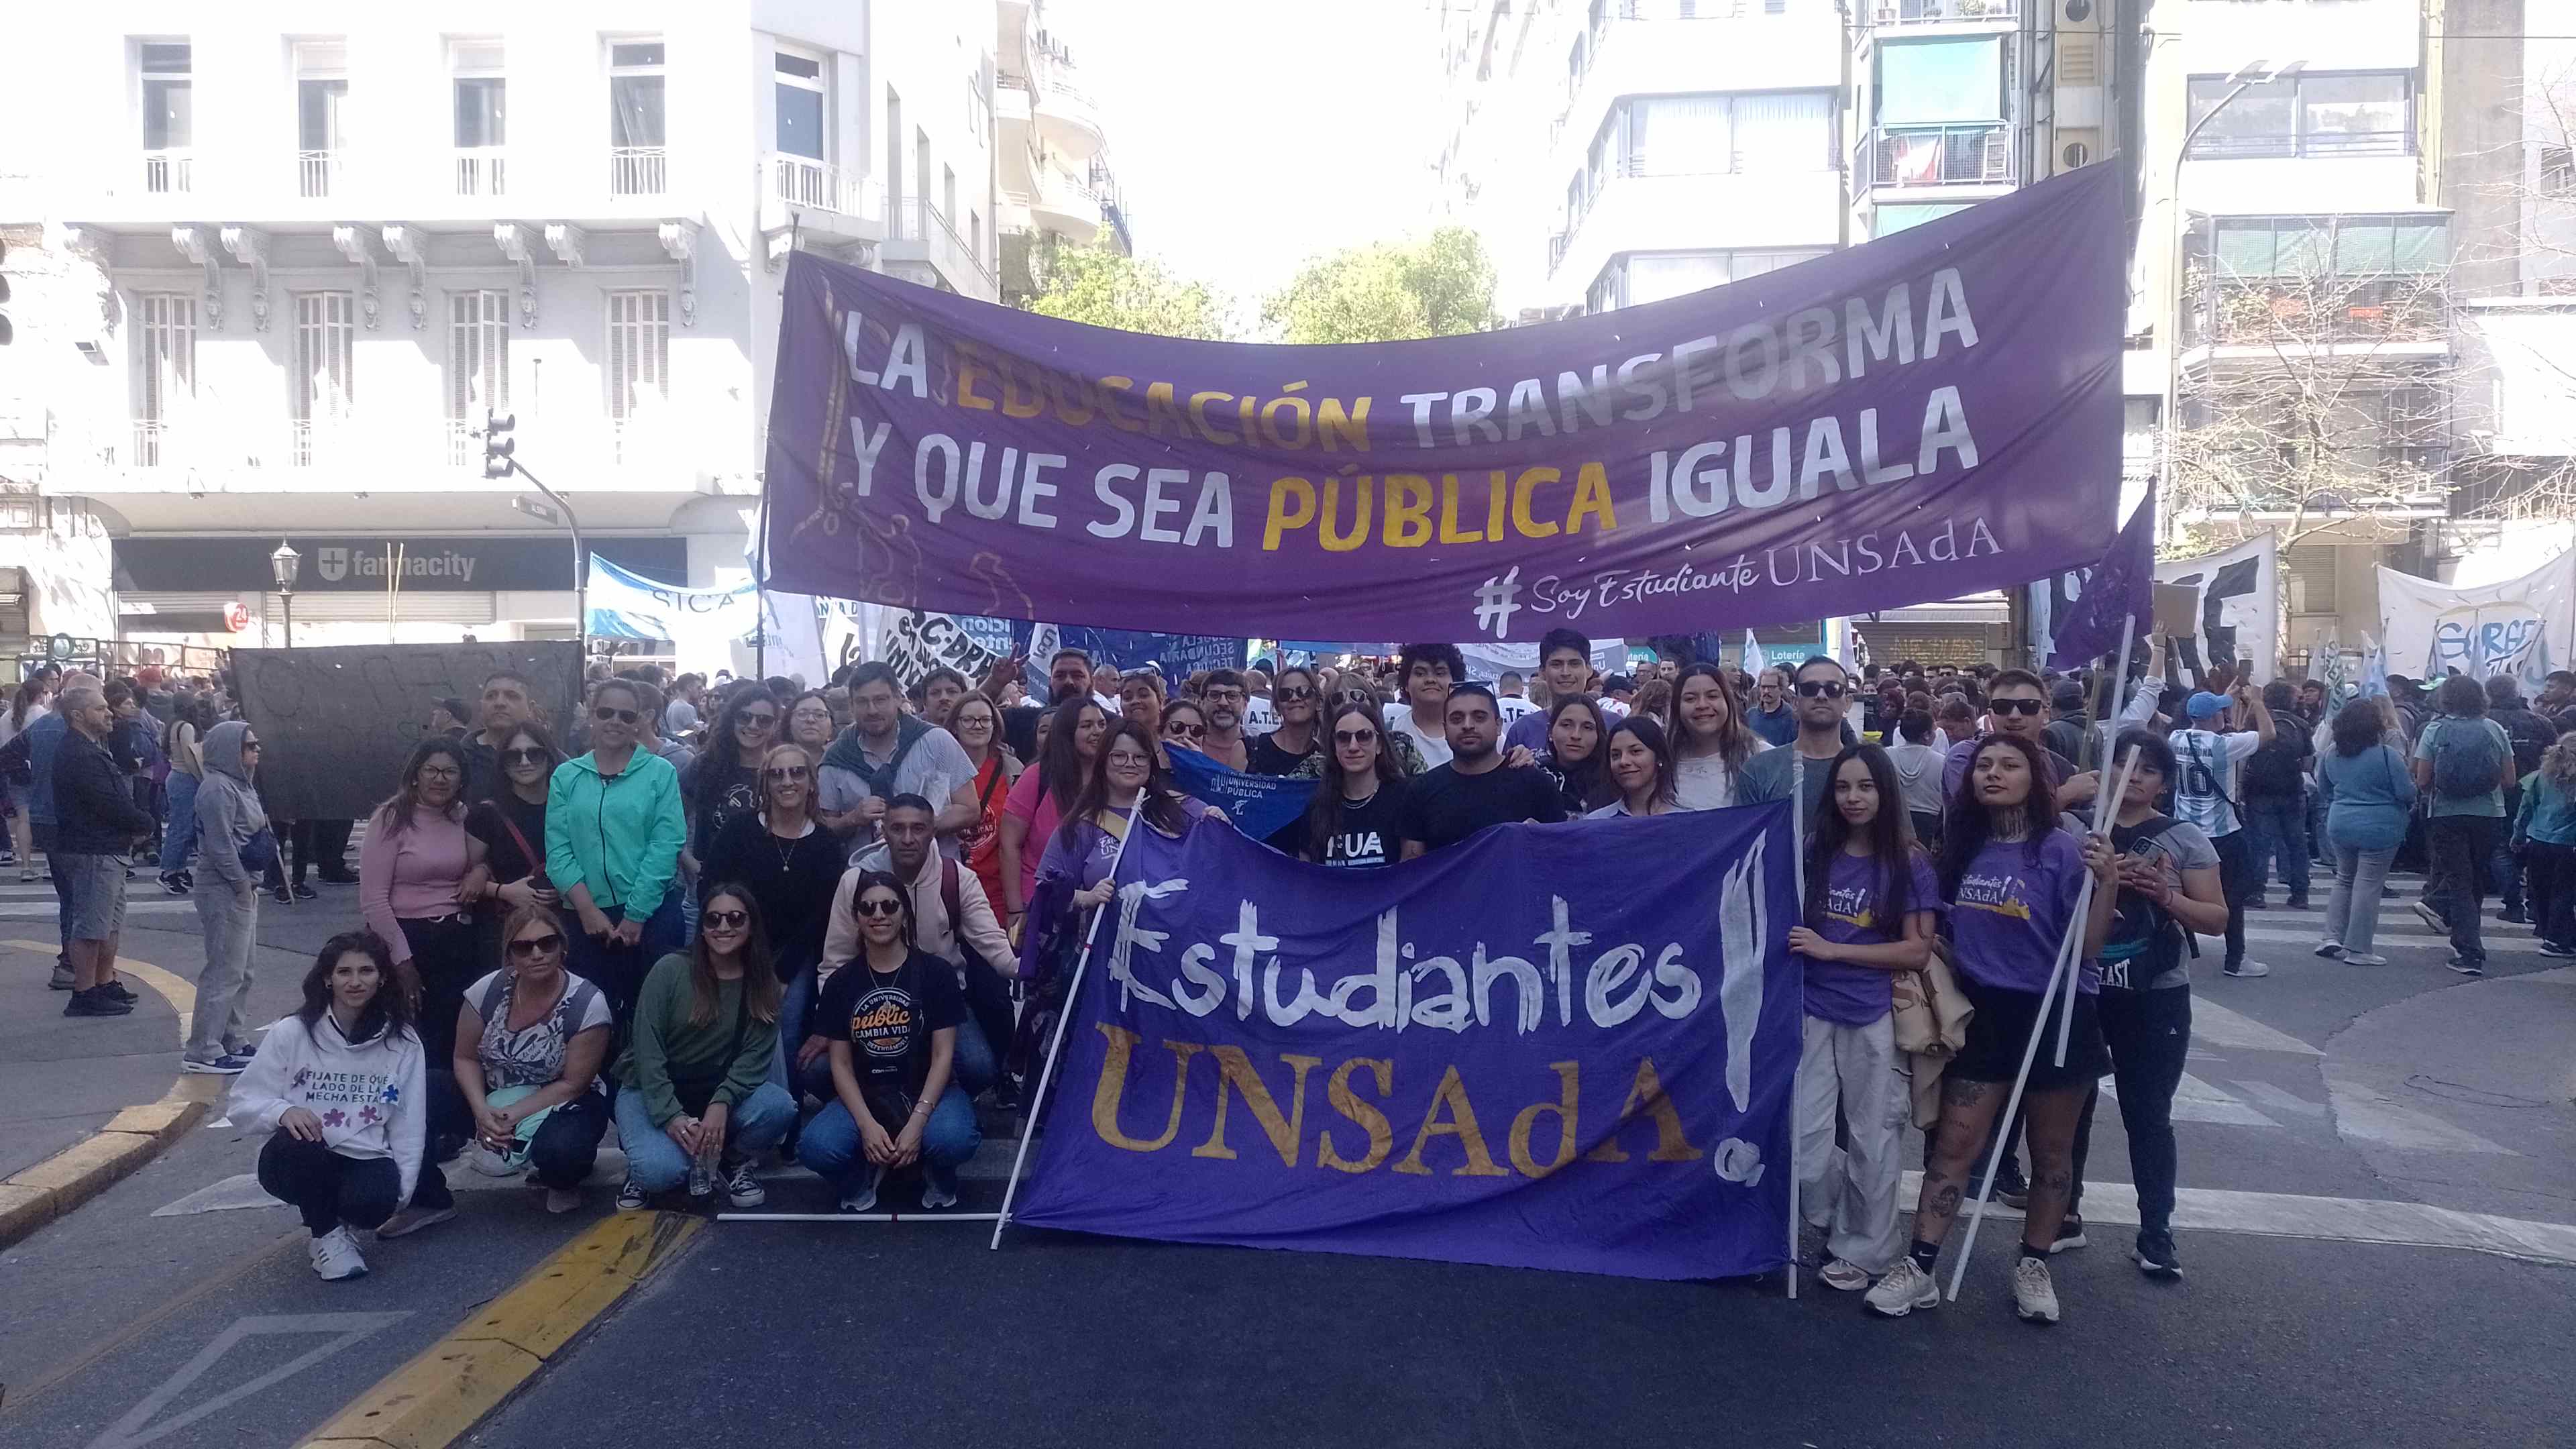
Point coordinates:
[(422, 607)]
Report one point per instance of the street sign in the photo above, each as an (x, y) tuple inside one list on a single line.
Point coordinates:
[(236, 616), (59, 646)]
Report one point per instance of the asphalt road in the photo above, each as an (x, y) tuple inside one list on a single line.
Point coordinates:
[(177, 1309)]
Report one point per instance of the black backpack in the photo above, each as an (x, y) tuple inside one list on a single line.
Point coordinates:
[(2273, 769)]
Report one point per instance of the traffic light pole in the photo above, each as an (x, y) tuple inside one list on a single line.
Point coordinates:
[(499, 462)]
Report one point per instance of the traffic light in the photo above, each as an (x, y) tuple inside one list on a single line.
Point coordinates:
[(498, 445), (6, 331)]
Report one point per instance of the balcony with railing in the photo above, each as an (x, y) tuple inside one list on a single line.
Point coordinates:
[(318, 173), (2272, 313), (1066, 114), (1905, 158), (1882, 13), (638, 170), (481, 171), (1779, 205), (799, 192), (919, 236), (1724, 45), (169, 173), (296, 455)]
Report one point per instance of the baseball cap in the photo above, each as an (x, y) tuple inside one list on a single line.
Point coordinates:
[(2205, 704)]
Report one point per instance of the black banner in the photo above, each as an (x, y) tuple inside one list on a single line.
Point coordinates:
[(336, 724)]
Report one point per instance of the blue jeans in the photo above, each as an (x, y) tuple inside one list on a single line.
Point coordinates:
[(619, 974), (2278, 827), (830, 1144), (179, 833), (974, 1066), (655, 1163)]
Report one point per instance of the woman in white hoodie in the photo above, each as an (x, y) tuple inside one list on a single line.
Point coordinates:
[(341, 1086)]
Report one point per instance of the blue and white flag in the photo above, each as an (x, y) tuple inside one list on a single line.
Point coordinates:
[(1259, 805)]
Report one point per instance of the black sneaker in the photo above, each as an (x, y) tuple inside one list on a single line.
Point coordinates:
[(2157, 1258), (283, 896), (2070, 1234), (95, 1002), (2514, 916), (175, 882), (2464, 966), (305, 892), (2009, 1187), (2556, 948), (120, 991), (2297, 903)]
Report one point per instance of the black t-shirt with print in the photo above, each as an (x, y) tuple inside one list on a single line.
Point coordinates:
[(1445, 807), (887, 1019), (1368, 833)]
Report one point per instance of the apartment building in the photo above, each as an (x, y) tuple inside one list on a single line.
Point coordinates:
[(1056, 186), (320, 241)]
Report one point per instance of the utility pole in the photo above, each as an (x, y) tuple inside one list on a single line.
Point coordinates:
[(499, 462)]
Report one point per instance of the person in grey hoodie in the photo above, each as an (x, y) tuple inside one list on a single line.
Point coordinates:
[(226, 889)]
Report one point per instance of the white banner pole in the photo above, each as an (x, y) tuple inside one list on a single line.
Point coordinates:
[(1055, 1045), (2084, 898), (1797, 854)]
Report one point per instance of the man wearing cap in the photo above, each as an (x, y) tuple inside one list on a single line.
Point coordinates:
[(2206, 795)]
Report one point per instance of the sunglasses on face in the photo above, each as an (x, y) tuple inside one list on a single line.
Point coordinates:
[(2016, 706), (1295, 692), (785, 772), (523, 755), (878, 906), (528, 948), (1354, 737), (1186, 729), (1820, 689), (727, 920), (604, 713), (755, 722)]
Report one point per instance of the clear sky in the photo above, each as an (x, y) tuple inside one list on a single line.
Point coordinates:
[(1251, 134)]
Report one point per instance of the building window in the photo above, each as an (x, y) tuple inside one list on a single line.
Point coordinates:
[(2370, 114), (169, 113), (636, 122), (165, 357), (478, 362), (321, 106), (481, 120), (1640, 277), (1708, 135), (639, 353), (319, 390), (801, 106), (2557, 170)]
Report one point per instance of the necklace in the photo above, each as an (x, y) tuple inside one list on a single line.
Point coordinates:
[(786, 850), (1361, 803)]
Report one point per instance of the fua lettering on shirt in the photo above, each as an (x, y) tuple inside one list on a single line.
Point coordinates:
[(1355, 847)]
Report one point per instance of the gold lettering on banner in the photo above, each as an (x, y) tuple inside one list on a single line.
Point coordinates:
[(1381, 1134), (1461, 1124), (1647, 1091), (1235, 1074), (1112, 1087)]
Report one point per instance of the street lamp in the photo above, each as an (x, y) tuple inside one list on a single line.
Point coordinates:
[(282, 566), (2247, 76)]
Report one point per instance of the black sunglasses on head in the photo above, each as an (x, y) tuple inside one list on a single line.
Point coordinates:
[(2015, 706)]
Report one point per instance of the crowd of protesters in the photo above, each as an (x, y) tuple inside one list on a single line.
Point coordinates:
[(749, 916)]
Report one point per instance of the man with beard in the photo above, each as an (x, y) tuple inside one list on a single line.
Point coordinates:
[(1772, 716), (1473, 789), (887, 752), (1805, 764), (1068, 678), (1225, 742)]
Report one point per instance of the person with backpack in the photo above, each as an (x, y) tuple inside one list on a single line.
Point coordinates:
[(953, 918), (2531, 736), (2207, 796), (2275, 802), (2544, 836), (2169, 885), (2464, 762), (2370, 801)]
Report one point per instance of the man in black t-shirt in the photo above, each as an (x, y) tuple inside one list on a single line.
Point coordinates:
[(1474, 789)]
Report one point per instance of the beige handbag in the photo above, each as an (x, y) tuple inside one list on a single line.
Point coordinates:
[(1931, 1026)]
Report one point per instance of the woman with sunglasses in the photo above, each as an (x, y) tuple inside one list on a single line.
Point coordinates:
[(977, 724), (505, 836), (1183, 723), (1575, 758), (785, 859), (613, 837), (698, 1093), (891, 1017), (530, 1040), (411, 878), (1638, 761), (1043, 798), (724, 781), (1298, 743), (1711, 741), (1359, 809)]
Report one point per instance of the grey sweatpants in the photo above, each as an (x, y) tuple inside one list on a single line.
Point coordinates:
[(229, 920)]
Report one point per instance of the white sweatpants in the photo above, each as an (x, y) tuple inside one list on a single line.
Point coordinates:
[(1850, 1190)]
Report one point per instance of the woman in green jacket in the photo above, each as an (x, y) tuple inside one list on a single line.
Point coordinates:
[(613, 837)]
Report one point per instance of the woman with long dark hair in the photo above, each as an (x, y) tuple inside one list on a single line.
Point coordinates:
[(1043, 798), (1182, 722), (341, 1090), (698, 1105), (2012, 878), (1576, 758), (1129, 775), (2370, 800), (411, 877), (1711, 741), (724, 781), (891, 1016), (1299, 740), (1871, 899), (1639, 767), (1359, 807)]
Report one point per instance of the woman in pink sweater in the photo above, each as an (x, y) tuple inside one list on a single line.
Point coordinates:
[(409, 869)]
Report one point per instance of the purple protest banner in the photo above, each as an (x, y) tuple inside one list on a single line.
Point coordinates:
[(2122, 587), (1553, 1046), (1920, 417)]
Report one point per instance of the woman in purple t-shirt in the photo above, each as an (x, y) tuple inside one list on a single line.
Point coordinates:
[(1870, 902), (2011, 878)]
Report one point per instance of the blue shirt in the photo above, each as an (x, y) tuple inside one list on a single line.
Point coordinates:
[(2368, 795), (1776, 726), (44, 738)]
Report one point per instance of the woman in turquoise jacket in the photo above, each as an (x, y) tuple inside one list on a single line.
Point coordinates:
[(613, 837), (2544, 835)]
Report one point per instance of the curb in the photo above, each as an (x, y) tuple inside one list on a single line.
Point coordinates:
[(451, 1385)]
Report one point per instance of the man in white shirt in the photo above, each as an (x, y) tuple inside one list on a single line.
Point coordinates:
[(2206, 794)]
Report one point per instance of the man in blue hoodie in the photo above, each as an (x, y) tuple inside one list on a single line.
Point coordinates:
[(44, 741), (97, 826)]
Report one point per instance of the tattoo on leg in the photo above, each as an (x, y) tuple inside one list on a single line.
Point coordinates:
[(1945, 1201), (1956, 1093)]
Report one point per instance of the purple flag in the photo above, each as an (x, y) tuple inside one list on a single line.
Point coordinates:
[(1552, 1046), (1920, 417), (2120, 587)]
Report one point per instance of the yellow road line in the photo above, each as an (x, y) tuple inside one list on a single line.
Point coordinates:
[(445, 1391)]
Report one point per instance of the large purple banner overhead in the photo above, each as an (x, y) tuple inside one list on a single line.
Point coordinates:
[(1921, 417), (1554, 1046)]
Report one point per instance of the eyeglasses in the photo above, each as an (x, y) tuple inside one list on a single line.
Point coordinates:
[(1298, 692), (528, 948), (604, 713), (2016, 706), (755, 721), (785, 772), (1820, 688), (1186, 731), (726, 920), (1354, 737), (878, 907), (1127, 758), (523, 755), (439, 772)]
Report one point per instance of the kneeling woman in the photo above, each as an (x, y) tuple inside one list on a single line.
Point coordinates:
[(891, 1017), (1870, 902), (341, 1087), (2012, 878), (530, 1039), (696, 1076)]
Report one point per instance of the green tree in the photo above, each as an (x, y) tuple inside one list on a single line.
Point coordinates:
[(1438, 286), (1110, 289)]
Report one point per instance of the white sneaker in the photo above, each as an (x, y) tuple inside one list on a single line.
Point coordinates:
[(864, 1197), (1905, 1288), (1844, 1275), (2364, 959), (2034, 1295), (411, 1220), (2330, 949), (490, 1163), (336, 1256), (562, 1199), (2246, 970), (935, 1197)]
